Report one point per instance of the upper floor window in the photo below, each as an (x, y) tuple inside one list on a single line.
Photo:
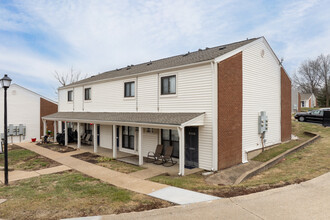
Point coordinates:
[(70, 96), (130, 89), (88, 94), (168, 85)]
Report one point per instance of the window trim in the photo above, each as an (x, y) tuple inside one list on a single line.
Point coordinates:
[(90, 95), (130, 82), (68, 96), (160, 85)]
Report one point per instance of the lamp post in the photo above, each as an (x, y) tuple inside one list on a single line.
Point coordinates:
[(5, 83)]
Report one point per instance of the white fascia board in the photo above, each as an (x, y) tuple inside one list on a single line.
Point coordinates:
[(198, 121), (132, 124), (240, 49)]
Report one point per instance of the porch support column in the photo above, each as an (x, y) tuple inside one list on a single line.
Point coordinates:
[(114, 141), (60, 129), (95, 137), (181, 151), (55, 131), (78, 135), (140, 147), (44, 127), (66, 133)]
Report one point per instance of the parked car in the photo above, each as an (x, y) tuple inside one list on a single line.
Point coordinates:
[(311, 116)]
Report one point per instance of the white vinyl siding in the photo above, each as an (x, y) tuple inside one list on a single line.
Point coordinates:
[(63, 104), (261, 92)]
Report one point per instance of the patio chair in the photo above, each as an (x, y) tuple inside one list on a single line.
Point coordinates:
[(86, 139), (167, 159), (153, 157)]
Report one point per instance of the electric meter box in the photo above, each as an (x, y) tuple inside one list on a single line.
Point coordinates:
[(262, 122)]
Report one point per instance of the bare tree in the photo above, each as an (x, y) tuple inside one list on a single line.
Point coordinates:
[(308, 79), (70, 77), (324, 71)]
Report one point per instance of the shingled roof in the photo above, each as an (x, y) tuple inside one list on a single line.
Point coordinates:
[(128, 117), (175, 61)]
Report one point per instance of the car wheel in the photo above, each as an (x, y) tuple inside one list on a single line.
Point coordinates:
[(301, 118)]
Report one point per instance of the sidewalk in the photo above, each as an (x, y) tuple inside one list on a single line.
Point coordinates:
[(122, 180)]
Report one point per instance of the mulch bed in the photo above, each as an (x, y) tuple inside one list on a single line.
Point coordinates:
[(57, 148), (88, 157)]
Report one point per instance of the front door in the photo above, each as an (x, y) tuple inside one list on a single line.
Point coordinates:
[(191, 147)]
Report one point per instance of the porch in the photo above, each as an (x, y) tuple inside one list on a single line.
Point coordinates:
[(130, 136)]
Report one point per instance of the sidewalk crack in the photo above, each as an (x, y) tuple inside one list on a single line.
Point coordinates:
[(246, 209)]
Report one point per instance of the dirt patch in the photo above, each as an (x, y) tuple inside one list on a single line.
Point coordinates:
[(57, 147), (242, 190), (88, 157)]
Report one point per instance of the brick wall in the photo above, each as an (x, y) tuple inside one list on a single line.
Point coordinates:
[(230, 100), (46, 108), (285, 106)]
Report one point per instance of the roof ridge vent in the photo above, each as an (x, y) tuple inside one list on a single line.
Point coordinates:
[(186, 54), (149, 63), (200, 49), (223, 47), (206, 48)]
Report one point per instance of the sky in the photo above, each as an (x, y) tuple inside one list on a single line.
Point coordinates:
[(40, 37)]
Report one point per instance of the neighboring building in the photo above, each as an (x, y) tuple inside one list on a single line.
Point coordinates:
[(25, 108), (205, 103), (308, 100), (295, 100)]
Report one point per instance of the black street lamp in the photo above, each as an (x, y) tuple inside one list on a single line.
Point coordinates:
[(5, 83)]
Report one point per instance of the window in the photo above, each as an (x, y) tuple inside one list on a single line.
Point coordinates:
[(128, 137), (168, 85), (129, 89), (70, 96), (171, 138), (88, 95)]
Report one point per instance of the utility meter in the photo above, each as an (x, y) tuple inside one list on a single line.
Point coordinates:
[(263, 122)]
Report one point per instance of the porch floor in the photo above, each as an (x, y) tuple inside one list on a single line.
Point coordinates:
[(150, 170)]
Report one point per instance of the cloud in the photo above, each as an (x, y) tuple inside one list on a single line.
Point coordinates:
[(39, 36)]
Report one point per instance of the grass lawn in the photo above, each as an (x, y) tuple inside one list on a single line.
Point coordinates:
[(22, 159), (69, 194), (108, 162), (305, 164)]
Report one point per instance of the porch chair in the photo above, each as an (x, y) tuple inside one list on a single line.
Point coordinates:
[(167, 159), (86, 139), (83, 136), (154, 157)]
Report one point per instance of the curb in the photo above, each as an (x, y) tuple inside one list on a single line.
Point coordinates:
[(266, 165)]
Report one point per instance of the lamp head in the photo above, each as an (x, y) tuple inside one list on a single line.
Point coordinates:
[(5, 82)]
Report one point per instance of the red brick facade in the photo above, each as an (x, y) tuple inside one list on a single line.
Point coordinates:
[(47, 108), (285, 106), (230, 99)]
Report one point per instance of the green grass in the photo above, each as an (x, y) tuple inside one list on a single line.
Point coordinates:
[(69, 194), (302, 165), (22, 159)]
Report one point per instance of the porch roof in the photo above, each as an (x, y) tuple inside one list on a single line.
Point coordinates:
[(138, 118)]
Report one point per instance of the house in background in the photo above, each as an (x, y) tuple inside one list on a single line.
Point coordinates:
[(308, 100), (25, 108), (295, 100), (206, 104)]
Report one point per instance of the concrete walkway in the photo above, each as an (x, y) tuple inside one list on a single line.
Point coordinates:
[(307, 200), (118, 179), (21, 174)]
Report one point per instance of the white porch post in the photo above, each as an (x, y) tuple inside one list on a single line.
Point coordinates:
[(55, 131), (181, 151), (95, 137), (60, 129), (114, 141), (140, 147), (66, 133), (44, 127), (78, 135)]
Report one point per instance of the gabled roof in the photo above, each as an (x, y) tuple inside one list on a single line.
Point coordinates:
[(207, 54), (305, 96), (156, 118)]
